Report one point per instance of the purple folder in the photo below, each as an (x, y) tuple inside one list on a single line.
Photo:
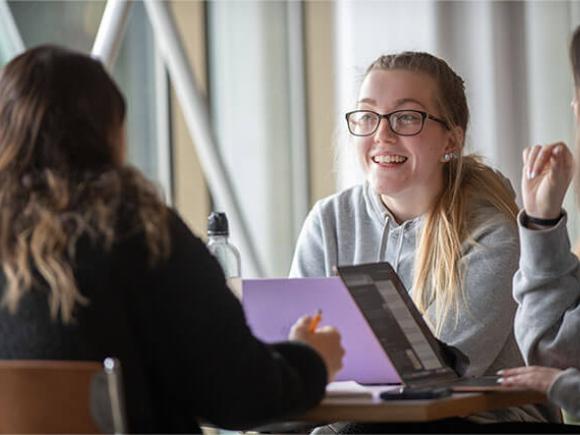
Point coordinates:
[(272, 306)]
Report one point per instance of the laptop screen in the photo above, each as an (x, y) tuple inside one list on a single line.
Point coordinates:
[(396, 322)]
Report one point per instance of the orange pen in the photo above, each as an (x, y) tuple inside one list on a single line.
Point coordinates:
[(315, 321)]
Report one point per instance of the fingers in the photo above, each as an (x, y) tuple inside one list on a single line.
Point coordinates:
[(328, 330), (525, 155), (299, 330), (564, 160), (531, 381), (533, 377), (519, 381), (517, 371), (538, 158), (542, 160), (525, 380), (302, 323), (530, 160)]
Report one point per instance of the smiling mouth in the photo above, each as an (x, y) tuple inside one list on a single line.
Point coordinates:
[(392, 159)]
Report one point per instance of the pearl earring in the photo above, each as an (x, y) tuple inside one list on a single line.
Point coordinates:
[(447, 157)]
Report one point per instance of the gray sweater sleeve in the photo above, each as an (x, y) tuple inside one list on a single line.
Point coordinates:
[(565, 392), (547, 289)]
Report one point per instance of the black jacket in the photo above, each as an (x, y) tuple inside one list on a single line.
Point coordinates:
[(180, 334)]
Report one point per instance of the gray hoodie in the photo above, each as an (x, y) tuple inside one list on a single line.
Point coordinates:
[(547, 326), (354, 227)]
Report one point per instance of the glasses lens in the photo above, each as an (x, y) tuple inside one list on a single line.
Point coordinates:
[(406, 122), (362, 122)]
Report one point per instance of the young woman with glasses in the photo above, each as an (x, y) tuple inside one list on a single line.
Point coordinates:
[(95, 265), (444, 220), (547, 284)]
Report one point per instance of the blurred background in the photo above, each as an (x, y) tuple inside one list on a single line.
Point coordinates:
[(278, 76)]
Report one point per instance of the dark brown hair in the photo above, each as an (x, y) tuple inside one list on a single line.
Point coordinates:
[(59, 110), (61, 174)]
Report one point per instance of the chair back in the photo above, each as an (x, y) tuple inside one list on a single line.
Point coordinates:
[(38, 396)]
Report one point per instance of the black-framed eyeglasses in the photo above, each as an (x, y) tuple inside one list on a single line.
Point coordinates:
[(402, 122)]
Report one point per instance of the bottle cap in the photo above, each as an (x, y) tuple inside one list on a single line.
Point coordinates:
[(217, 224)]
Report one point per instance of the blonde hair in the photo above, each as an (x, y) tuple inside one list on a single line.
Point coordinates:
[(448, 225), (60, 175)]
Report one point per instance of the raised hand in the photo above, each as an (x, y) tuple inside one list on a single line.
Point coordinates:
[(546, 176), (325, 340)]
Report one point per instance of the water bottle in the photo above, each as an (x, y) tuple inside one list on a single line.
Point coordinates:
[(218, 244)]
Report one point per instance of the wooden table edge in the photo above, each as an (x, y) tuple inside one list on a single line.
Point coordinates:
[(458, 405)]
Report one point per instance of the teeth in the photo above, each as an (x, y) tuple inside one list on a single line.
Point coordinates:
[(389, 159)]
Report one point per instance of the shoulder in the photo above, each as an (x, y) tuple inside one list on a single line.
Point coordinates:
[(492, 229), (353, 194), (347, 201), (181, 234)]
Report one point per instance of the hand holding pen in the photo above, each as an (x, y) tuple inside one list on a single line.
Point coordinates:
[(326, 341)]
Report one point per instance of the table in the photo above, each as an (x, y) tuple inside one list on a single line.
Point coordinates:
[(372, 409)]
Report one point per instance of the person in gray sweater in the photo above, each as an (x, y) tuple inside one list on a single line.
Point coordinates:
[(444, 220), (547, 284)]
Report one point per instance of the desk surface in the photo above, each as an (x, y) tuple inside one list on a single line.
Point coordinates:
[(372, 409)]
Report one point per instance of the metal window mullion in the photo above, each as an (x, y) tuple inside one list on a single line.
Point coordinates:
[(111, 30), (196, 115), (10, 31), (298, 125), (163, 142)]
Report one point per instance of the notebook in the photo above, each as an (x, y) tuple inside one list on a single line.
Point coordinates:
[(401, 330), (272, 306)]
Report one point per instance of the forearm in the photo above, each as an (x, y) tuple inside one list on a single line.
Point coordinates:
[(286, 386), (547, 288)]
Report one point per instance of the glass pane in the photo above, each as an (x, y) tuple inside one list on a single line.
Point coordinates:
[(250, 89), (10, 41), (134, 71), (74, 24)]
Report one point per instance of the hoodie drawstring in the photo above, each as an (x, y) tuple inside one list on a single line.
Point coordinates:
[(400, 247), (383, 245), (384, 239)]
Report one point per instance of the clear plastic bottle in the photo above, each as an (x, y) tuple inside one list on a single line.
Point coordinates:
[(218, 244)]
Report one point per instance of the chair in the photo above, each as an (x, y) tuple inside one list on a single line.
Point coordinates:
[(39, 396)]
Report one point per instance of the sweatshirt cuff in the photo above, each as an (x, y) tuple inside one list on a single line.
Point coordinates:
[(545, 251), (565, 391)]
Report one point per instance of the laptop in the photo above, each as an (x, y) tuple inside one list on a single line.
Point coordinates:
[(272, 306), (401, 330)]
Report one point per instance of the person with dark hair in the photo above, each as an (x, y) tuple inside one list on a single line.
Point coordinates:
[(95, 265), (547, 284)]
